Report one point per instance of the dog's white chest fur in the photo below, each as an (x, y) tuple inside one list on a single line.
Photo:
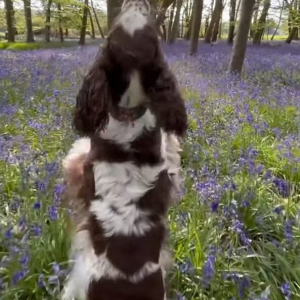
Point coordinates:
[(120, 185)]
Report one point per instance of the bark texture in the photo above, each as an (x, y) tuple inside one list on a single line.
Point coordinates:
[(28, 21), (215, 19), (261, 24), (240, 43), (84, 23), (9, 13), (231, 21), (196, 25), (175, 25)]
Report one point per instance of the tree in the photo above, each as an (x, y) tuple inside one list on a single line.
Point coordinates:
[(171, 21), (279, 21), (93, 35), (240, 43), (231, 21), (113, 9), (97, 20), (9, 12), (175, 25), (261, 23), (162, 13), (217, 27), (84, 22), (28, 21), (293, 20), (48, 20), (215, 19), (196, 24), (61, 33)]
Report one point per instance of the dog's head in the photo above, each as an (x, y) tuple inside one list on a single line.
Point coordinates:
[(129, 72)]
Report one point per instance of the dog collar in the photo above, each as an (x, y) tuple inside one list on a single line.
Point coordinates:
[(123, 114)]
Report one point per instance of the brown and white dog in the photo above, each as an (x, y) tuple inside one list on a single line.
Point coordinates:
[(123, 173)]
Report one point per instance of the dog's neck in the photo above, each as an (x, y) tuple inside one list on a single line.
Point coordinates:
[(125, 114)]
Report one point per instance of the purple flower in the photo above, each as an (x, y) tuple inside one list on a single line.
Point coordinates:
[(8, 233), (288, 230), (17, 276), (37, 205), (53, 212), (243, 284), (41, 281), (56, 268), (208, 269), (41, 185), (214, 206), (282, 187), (24, 259), (278, 209), (36, 230), (286, 291), (186, 267)]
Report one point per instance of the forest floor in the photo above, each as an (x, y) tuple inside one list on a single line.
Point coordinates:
[(236, 233)]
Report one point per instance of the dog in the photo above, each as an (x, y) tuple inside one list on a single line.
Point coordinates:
[(123, 172)]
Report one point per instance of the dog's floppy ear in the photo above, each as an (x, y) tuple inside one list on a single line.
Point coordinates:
[(166, 101), (91, 112)]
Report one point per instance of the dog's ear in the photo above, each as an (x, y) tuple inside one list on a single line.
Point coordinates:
[(166, 101), (91, 112)]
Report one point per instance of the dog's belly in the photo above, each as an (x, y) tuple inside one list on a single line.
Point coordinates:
[(150, 288)]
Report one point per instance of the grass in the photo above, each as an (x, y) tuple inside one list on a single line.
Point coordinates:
[(22, 46), (235, 234)]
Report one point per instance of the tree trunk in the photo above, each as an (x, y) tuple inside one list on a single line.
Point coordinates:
[(9, 11), (296, 19), (92, 24), (217, 27), (67, 32), (97, 21), (291, 35), (215, 19), (190, 25), (240, 43), (28, 21), (206, 25), (175, 25), (261, 23), (254, 26), (293, 15), (238, 10), (231, 21), (61, 32), (48, 20), (164, 32), (113, 9), (162, 13), (171, 21), (84, 23), (279, 21), (196, 24), (220, 28)]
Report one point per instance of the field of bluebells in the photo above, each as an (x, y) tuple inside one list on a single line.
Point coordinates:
[(236, 233)]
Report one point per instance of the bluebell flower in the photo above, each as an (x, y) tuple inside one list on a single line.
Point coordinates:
[(208, 269), (41, 281), (288, 230), (278, 209), (53, 212), (8, 233), (24, 259), (37, 205), (286, 291), (17, 276), (56, 268)]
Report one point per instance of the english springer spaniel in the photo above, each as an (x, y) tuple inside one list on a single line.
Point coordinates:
[(124, 170)]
